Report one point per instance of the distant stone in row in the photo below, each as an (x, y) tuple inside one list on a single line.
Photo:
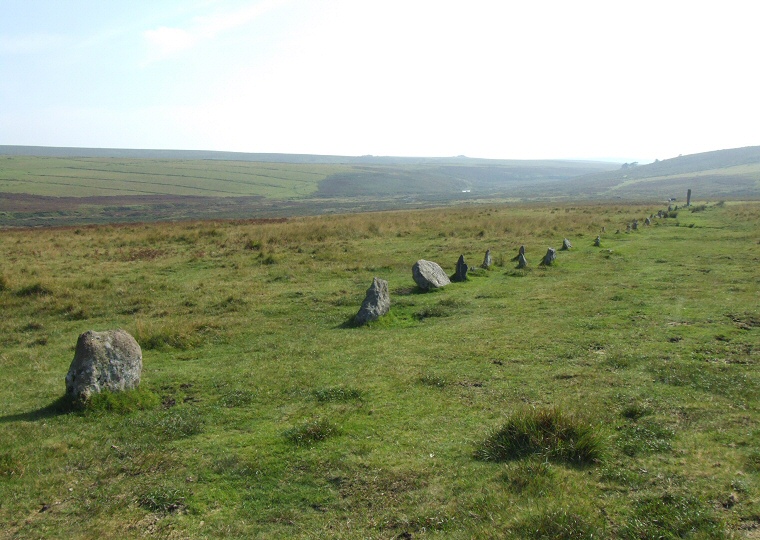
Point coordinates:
[(566, 245), (487, 260), (461, 272), (598, 241), (522, 262), (548, 259), (520, 252)]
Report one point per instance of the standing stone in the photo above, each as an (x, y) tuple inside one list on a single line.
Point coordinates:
[(604, 229), (461, 271), (647, 221), (548, 259), (598, 241), (688, 197), (628, 228), (487, 260), (520, 252), (566, 245), (376, 303), (429, 275), (635, 226), (110, 360), (522, 262)]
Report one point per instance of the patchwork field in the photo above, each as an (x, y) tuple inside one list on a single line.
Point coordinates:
[(614, 394)]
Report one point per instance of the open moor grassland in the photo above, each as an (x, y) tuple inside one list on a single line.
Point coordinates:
[(614, 394)]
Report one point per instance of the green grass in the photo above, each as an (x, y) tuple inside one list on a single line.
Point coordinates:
[(113, 177), (630, 372)]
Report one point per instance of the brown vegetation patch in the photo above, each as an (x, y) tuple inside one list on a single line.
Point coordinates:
[(376, 488)]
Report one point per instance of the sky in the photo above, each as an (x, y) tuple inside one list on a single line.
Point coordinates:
[(617, 80)]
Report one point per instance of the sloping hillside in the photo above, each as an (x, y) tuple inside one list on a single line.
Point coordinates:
[(733, 173)]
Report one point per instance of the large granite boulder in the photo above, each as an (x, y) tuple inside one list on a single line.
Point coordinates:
[(110, 360), (429, 275), (376, 304)]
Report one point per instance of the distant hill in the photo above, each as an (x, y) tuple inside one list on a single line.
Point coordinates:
[(732, 173), (44, 185), (130, 153)]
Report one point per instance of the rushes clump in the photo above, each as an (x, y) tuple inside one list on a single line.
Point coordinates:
[(545, 433)]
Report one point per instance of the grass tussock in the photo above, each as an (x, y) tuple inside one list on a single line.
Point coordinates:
[(164, 499), (670, 517), (340, 394), (35, 289), (558, 524), (546, 434), (311, 432), (123, 402)]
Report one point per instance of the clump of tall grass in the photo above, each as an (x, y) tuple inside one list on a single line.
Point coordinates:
[(545, 433), (35, 289), (310, 432), (558, 524), (123, 402), (672, 516), (164, 499), (337, 394)]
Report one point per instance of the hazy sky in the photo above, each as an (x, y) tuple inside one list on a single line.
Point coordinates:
[(502, 79)]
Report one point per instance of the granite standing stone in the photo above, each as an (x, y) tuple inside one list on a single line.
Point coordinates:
[(429, 275), (110, 360), (551, 255), (461, 272), (376, 303), (487, 260)]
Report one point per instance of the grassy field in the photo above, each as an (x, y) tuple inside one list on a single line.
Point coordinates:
[(92, 177), (612, 395)]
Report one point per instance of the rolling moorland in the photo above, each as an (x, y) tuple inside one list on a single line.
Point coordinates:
[(69, 186), (612, 395)]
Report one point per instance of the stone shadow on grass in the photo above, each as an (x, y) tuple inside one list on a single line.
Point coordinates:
[(62, 405)]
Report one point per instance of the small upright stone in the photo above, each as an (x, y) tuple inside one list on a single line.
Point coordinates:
[(635, 225), (376, 303), (598, 241), (110, 360), (487, 261), (566, 245), (521, 251), (522, 262), (548, 259), (628, 228), (461, 271), (429, 275), (647, 221)]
